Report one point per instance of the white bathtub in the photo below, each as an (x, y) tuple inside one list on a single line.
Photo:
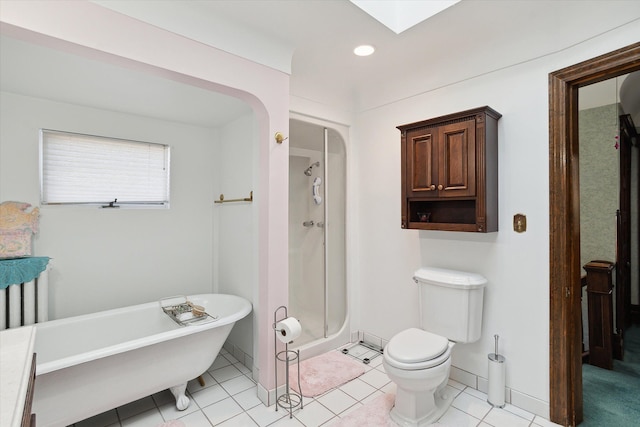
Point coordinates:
[(92, 363)]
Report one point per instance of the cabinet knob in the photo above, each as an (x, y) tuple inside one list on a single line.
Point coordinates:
[(440, 187), (433, 187)]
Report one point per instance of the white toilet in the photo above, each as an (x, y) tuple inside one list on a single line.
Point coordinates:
[(418, 360)]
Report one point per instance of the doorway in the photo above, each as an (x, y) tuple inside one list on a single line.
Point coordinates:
[(607, 170), (565, 344)]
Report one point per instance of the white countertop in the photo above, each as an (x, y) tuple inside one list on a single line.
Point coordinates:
[(16, 352)]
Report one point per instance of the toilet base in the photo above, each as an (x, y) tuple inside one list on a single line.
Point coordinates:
[(409, 410)]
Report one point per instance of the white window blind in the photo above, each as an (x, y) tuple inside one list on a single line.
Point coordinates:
[(89, 169)]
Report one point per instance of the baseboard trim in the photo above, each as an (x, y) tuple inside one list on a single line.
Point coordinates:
[(514, 397)]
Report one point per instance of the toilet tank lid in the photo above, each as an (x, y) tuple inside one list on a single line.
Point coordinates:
[(449, 278)]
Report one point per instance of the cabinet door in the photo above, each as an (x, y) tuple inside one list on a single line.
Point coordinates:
[(457, 159), (422, 173)]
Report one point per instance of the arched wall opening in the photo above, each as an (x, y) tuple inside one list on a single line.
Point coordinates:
[(268, 113)]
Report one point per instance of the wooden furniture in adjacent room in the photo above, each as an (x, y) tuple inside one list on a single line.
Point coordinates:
[(626, 215), (600, 300), (450, 172)]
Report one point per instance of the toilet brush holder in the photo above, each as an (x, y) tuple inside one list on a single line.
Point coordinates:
[(496, 392)]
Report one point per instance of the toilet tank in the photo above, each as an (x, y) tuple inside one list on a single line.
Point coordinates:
[(451, 303)]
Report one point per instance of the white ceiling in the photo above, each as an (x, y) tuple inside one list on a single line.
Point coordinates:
[(314, 39), (470, 38)]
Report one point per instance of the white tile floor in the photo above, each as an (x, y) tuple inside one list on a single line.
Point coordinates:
[(229, 399)]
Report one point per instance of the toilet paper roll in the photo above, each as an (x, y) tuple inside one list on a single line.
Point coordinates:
[(288, 329), (495, 395)]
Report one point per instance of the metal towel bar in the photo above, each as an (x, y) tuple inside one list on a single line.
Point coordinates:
[(246, 199)]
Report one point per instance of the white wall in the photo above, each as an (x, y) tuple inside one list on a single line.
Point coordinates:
[(235, 225), (106, 258), (516, 265), (113, 258), (599, 183)]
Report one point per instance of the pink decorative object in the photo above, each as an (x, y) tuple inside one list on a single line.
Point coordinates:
[(324, 372), (16, 229)]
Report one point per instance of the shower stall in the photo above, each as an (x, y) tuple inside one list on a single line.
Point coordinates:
[(317, 233)]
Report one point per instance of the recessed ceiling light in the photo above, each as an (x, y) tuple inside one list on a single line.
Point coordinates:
[(364, 50)]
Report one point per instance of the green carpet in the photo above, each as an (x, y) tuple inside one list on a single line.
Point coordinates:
[(612, 398)]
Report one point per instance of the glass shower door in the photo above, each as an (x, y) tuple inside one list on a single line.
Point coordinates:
[(306, 241), (316, 243)]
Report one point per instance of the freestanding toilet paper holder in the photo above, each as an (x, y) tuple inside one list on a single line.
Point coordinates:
[(290, 400)]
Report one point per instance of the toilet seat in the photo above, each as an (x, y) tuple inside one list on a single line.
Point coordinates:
[(414, 349)]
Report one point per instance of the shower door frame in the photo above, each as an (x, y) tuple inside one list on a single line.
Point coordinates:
[(325, 234)]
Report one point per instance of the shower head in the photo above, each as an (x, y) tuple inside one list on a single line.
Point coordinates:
[(307, 171)]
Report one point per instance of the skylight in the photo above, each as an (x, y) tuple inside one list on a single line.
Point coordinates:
[(400, 15)]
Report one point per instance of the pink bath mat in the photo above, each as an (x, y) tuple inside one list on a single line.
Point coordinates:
[(372, 414), (172, 423), (322, 373)]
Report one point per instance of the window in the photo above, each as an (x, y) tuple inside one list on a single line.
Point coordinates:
[(85, 169)]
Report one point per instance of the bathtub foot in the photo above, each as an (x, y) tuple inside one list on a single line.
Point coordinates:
[(182, 401)]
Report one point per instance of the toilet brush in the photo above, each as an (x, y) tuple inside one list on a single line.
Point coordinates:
[(495, 395)]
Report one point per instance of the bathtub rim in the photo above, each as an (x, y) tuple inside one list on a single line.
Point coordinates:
[(244, 308)]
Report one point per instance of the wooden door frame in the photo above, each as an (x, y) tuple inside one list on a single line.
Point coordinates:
[(565, 371)]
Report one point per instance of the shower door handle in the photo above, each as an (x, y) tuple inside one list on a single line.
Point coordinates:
[(308, 224)]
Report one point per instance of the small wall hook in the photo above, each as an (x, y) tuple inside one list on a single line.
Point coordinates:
[(279, 137)]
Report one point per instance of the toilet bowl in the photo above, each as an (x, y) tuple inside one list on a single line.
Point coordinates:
[(418, 360)]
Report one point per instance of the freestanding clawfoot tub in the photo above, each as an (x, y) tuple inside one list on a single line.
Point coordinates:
[(92, 363)]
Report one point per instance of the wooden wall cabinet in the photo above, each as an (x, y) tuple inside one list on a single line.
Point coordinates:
[(450, 172)]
